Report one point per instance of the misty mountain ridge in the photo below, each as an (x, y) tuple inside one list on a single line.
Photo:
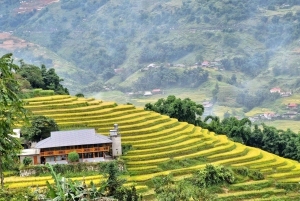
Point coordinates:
[(98, 44)]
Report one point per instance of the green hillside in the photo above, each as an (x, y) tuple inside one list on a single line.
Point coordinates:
[(87, 40), (162, 145)]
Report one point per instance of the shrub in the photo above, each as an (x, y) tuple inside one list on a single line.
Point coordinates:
[(256, 175), (213, 175), (73, 156), (27, 161), (244, 171), (79, 95)]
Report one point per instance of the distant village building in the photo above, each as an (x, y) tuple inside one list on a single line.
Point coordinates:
[(290, 115), (269, 115), (285, 94), (292, 106), (118, 70), (207, 104), (274, 90), (205, 63), (153, 66), (148, 93), (156, 91)]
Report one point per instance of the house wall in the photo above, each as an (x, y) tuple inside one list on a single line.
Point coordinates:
[(85, 152), (116, 145)]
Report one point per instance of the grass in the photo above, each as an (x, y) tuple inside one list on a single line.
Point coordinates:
[(295, 98), (257, 111), (221, 110), (285, 124)]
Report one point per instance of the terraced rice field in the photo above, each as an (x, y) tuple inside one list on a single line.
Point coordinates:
[(158, 139)]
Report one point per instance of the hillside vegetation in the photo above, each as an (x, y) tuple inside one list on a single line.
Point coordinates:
[(163, 146), (95, 37), (120, 47)]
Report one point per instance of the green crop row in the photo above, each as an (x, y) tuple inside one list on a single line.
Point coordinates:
[(157, 136), (212, 151), (252, 185), (88, 99), (146, 177), (140, 168), (156, 127), (126, 116), (253, 154), (290, 180), (148, 162), (121, 113), (279, 162), (174, 138), (240, 150), (56, 106), (288, 167), (99, 122), (185, 143), (172, 152), (69, 112), (266, 170), (248, 194), (204, 146), (139, 122), (25, 179), (47, 98), (158, 122), (166, 140), (266, 159), (285, 175), (53, 101), (94, 102)]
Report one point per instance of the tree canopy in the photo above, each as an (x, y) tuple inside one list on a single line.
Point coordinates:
[(42, 78), (183, 110), (40, 128), (11, 113)]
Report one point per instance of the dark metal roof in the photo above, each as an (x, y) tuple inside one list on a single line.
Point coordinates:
[(71, 138)]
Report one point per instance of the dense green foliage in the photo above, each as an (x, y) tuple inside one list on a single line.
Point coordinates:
[(66, 189), (279, 142), (183, 110), (27, 161), (195, 187), (73, 157), (24, 194), (42, 78), (282, 143), (164, 77), (39, 129), (11, 113), (249, 101), (244, 35)]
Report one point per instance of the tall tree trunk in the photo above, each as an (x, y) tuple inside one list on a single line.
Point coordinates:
[(1, 172)]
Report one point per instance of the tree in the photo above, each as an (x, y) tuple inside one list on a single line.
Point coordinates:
[(27, 161), (79, 95), (11, 113), (32, 74), (73, 156), (184, 110), (113, 183), (40, 128)]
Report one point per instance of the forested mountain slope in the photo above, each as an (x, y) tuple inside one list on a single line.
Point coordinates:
[(87, 40)]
